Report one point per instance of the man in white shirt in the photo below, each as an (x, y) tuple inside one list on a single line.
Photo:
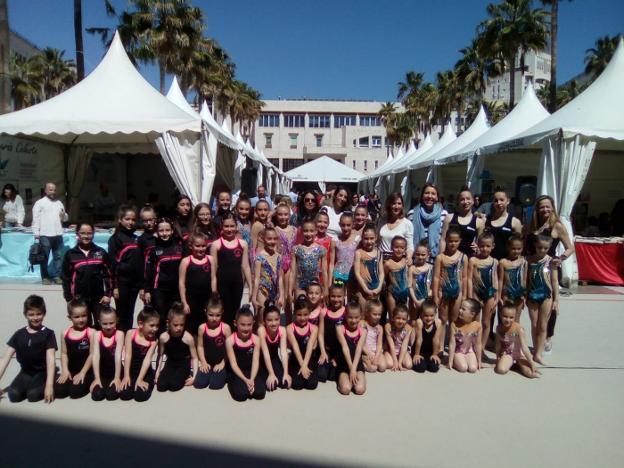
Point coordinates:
[(48, 213)]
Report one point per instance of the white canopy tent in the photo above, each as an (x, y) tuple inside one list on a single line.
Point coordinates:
[(447, 137), (594, 119), (113, 110), (208, 165), (323, 170), (528, 111)]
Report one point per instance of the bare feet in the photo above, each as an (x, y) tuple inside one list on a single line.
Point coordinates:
[(537, 358)]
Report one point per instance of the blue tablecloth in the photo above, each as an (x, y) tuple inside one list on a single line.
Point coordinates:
[(16, 245)]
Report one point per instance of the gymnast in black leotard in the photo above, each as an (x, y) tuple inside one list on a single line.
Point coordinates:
[(231, 260), (178, 347), (351, 337)]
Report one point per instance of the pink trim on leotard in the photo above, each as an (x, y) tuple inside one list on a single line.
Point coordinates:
[(84, 335)]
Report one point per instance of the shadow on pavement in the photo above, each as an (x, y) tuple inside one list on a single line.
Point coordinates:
[(31, 443)]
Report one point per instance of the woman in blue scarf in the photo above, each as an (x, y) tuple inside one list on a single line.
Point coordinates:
[(427, 219)]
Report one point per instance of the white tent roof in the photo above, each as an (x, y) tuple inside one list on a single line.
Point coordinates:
[(597, 112), (223, 136), (418, 159), (478, 128), (528, 111), (409, 156), (175, 95), (114, 104), (324, 169)]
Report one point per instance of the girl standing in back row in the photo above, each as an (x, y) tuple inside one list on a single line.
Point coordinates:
[(231, 261), (469, 224), (127, 266)]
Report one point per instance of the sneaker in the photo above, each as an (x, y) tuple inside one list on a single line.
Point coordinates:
[(46, 281), (548, 347), (58, 281)]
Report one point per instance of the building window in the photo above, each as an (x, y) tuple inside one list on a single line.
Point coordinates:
[(376, 164), (268, 120), (344, 121), (353, 164), (268, 140), (386, 142), (318, 121), (363, 142), (365, 165), (274, 161), (370, 121), (294, 120), (376, 142), (319, 140), (293, 140), (289, 164)]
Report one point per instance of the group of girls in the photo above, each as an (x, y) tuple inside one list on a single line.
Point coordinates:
[(355, 298)]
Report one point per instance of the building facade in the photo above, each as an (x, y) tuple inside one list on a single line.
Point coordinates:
[(293, 132), (537, 72)]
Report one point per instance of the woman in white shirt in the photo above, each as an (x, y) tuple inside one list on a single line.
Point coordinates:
[(395, 224), (340, 200), (12, 207)]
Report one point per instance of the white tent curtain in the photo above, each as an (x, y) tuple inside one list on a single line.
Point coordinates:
[(269, 182), (239, 165), (406, 191), (77, 165), (260, 178), (178, 155), (473, 173), (321, 186), (208, 165), (563, 169), (433, 174)]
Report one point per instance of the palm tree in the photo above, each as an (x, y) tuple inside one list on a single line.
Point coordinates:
[(597, 58), (25, 82), (40, 77), (5, 59), (554, 29), (55, 73), (387, 113), (411, 85), (168, 32), (473, 69), (450, 96), (80, 70), (512, 28)]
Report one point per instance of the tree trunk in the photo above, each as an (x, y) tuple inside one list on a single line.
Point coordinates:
[(554, 25), (161, 70), (80, 70), (5, 53), (512, 81)]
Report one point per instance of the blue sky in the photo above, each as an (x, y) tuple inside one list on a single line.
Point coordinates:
[(346, 49)]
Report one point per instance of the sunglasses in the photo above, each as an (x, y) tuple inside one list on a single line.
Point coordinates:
[(309, 199)]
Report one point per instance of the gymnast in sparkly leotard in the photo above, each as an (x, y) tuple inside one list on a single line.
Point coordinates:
[(268, 279), (512, 274), (309, 262), (542, 292), (511, 347), (395, 269), (367, 267)]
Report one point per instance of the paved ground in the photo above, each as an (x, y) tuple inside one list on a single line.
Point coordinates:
[(573, 416)]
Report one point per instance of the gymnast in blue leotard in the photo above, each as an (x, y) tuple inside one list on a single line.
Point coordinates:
[(395, 269), (367, 267), (420, 279), (512, 274), (483, 281), (449, 277), (542, 293)]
